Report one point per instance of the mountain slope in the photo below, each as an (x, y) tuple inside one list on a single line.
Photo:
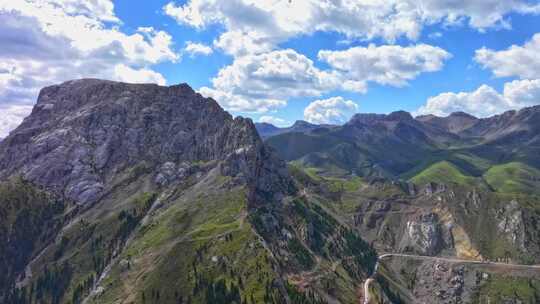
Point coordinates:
[(514, 177), (138, 193), (450, 203), (369, 144), (267, 130), (398, 145)]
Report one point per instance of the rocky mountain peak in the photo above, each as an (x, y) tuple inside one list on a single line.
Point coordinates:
[(302, 124), (399, 116), (371, 118), (82, 133), (454, 123), (462, 115), (365, 118)]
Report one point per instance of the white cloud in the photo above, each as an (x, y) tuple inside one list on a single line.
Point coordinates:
[(387, 64), (335, 110), (259, 83), (239, 103), (85, 31), (485, 101), (263, 82), (238, 43), (275, 21), (522, 93), (45, 42), (254, 29), (276, 121), (12, 116), (479, 14), (194, 49), (521, 61), (127, 74), (96, 9)]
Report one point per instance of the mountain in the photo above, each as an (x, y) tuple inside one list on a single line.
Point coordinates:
[(369, 144), (138, 193), (450, 203), (454, 123), (398, 146), (267, 130)]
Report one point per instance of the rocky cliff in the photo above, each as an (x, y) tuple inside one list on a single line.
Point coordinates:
[(82, 133)]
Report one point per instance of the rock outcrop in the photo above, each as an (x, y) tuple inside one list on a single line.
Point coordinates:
[(510, 224), (423, 235), (82, 133)]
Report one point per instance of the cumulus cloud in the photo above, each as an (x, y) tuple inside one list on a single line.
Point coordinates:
[(275, 21), (388, 64), (237, 43), (238, 103), (12, 116), (194, 49), (485, 101), (335, 110), (522, 93), (263, 82), (46, 42), (276, 121), (520, 61), (258, 83), (478, 14), (254, 29), (125, 73)]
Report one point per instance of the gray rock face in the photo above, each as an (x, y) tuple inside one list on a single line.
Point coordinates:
[(83, 132), (444, 283), (510, 223), (170, 172), (423, 235)]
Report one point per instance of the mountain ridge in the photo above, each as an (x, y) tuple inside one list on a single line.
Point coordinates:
[(105, 138), (374, 136)]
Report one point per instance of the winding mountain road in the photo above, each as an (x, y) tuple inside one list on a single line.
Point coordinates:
[(367, 296)]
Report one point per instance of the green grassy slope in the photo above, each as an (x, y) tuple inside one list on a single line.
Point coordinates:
[(294, 145), (444, 172), (514, 177), (501, 288)]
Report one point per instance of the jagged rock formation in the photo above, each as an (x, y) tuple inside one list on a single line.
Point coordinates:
[(423, 235), (510, 223), (83, 132), (267, 130)]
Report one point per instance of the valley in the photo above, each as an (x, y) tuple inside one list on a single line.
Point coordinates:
[(469, 199)]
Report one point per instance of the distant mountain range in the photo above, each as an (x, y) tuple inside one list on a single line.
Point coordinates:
[(456, 186), (267, 130), (398, 145)]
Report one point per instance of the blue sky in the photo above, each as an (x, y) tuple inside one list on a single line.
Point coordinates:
[(279, 61), (460, 73)]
